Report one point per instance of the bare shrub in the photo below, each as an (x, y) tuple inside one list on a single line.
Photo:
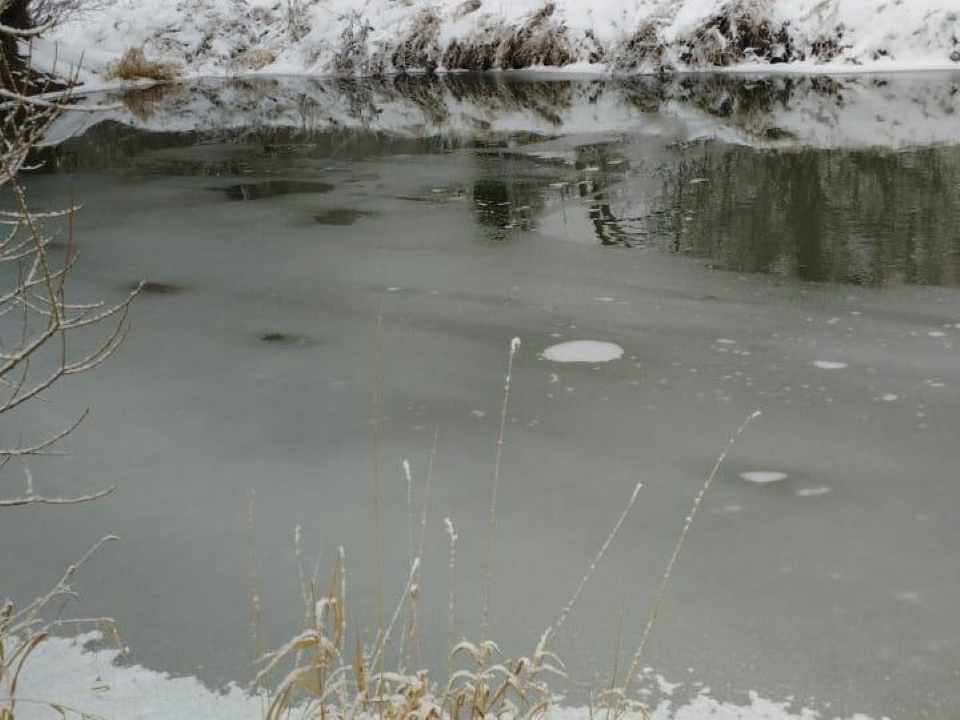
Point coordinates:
[(420, 49), (478, 54), (642, 49), (134, 65), (54, 12), (738, 33), (539, 41), (41, 328), (298, 25), (353, 55)]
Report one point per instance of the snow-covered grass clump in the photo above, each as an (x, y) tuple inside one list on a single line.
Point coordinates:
[(370, 37)]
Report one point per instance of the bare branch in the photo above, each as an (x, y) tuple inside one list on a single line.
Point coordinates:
[(41, 500)]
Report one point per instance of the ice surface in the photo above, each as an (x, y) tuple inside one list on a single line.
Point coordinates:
[(195, 411)]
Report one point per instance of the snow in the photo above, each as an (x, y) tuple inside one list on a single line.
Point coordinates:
[(585, 351), (236, 37), (62, 671), (829, 364), (764, 476), (814, 491)]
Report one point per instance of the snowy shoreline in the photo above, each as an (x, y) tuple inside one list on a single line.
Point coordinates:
[(205, 38), (63, 671)]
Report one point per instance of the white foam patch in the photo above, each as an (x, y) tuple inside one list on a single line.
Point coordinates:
[(890, 397), (830, 364), (764, 476), (589, 351), (61, 671)]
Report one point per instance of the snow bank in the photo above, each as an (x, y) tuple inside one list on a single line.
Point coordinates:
[(371, 37), (62, 671)]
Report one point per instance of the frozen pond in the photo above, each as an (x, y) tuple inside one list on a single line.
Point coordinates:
[(784, 245)]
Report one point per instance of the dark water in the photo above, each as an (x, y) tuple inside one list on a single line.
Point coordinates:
[(787, 244)]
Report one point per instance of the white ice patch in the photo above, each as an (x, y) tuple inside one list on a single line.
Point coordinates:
[(588, 351), (726, 341), (814, 491), (829, 364), (763, 476), (61, 671), (727, 509)]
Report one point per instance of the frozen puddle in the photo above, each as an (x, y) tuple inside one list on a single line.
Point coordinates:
[(829, 364), (587, 351), (763, 476), (91, 682)]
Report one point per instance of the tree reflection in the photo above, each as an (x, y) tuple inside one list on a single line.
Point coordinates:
[(863, 217)]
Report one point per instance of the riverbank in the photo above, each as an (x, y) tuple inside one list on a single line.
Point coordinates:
[(376, 37)]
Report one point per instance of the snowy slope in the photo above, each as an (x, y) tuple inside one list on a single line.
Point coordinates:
[(223, 37)]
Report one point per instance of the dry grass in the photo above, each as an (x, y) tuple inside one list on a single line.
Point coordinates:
[(420, 49), (23, 630), (134, 65), (254, 59), (736, 34), (143, 102), (353, 56), (326, 679), (541, 40)]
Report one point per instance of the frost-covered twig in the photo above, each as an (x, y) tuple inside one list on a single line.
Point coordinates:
[(664, 581), (488, 564)]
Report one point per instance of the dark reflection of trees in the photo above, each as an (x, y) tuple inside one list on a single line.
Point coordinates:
[(862, 217), (858, 216), (507, 194)]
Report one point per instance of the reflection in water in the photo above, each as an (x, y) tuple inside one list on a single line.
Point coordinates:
[(849, 180), (339, 216), (859, 217), (157, 288), (273, 188)]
